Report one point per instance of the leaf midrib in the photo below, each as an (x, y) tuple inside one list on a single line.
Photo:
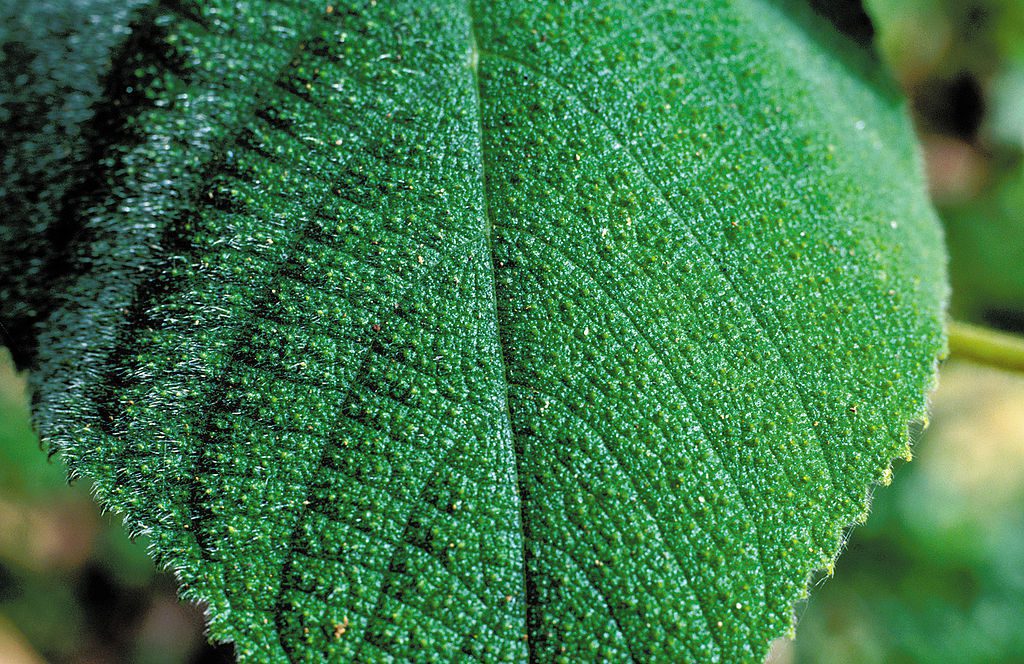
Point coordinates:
[(473, 56), (755, 311), (530, 601)]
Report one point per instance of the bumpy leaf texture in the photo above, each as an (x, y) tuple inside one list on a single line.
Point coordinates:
[(493, 330), (53, 58)]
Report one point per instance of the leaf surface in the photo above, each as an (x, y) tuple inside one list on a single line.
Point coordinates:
[(496, 331)]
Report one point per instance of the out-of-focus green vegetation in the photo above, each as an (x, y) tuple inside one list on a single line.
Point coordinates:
[(962, 64), (73, 588), (937, 573)]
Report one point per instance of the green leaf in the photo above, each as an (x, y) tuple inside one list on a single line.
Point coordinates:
[(435, 330), (54, 57)]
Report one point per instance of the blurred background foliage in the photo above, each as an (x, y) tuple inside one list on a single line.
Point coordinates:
[(936, 575), (73, 587)]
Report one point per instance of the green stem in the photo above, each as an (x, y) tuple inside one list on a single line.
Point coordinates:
[(986, 346)]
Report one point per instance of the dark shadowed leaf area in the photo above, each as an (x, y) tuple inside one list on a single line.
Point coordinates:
[(482, 331)]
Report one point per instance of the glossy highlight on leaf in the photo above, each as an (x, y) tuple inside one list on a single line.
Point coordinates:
[(495, 331)]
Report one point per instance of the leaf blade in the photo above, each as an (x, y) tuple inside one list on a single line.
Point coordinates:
[(385, 405)]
